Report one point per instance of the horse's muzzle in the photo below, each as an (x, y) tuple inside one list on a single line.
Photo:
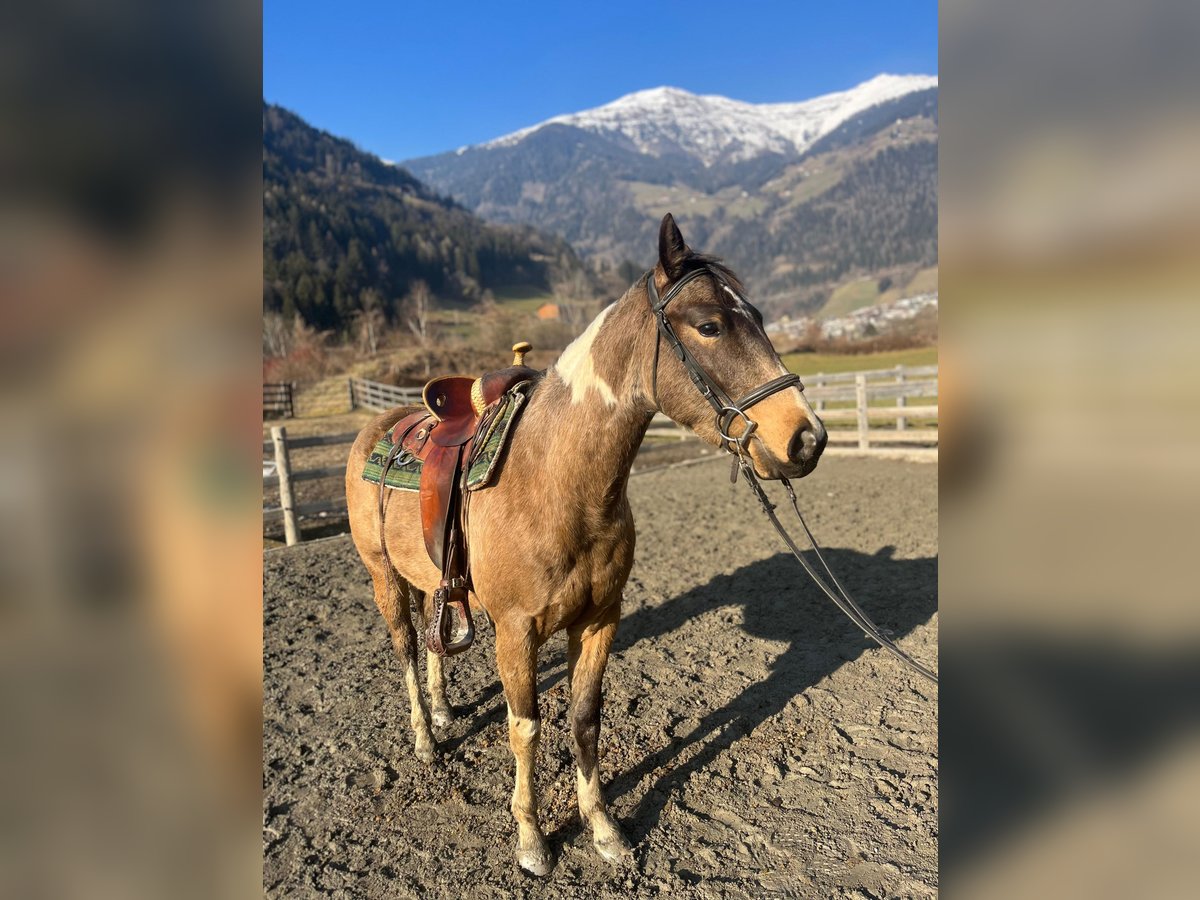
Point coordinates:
[(805, 449)]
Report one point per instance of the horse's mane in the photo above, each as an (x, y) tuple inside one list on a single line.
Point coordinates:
[(704, 261)]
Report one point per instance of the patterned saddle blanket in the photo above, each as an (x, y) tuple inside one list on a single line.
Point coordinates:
[(483, 468)]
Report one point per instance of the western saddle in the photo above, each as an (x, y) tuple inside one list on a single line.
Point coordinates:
[(442, 436)]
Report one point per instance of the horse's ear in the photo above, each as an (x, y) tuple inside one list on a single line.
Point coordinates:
[(672, 251)]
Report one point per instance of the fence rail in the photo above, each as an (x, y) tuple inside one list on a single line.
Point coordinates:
[(874, 404), (284, 477), (380, 397), (278, 399), (821, 379)]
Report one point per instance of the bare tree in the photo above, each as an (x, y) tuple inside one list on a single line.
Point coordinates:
[(573, 285), (575, 316), (419, 308), (370, 322), (276, 335)]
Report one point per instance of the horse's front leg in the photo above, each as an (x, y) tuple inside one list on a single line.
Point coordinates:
[(588, 646), (516, 657)]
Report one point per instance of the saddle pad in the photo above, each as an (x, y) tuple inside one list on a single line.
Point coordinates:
[(489, 447), (405, 472)]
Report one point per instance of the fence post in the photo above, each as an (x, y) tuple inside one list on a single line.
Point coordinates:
[(291, 530), (860, 402), (901, 421), (350, 389), (820, 384)]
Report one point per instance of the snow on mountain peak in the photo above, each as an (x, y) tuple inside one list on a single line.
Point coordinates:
[(667, 120)]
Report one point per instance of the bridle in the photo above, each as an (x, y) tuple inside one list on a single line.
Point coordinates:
[(727, 411)]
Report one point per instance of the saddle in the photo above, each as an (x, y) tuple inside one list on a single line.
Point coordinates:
[(442, 436)]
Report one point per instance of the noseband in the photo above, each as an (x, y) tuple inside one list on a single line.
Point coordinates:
[(726, 409)]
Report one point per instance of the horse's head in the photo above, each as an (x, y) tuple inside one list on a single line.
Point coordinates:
[(722, 336)]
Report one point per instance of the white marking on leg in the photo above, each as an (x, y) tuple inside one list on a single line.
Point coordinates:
[(606, 834), (532, 852), (420, 714), (523, 736), (577, 368), (526, 729), (588, 789), (435, 680)]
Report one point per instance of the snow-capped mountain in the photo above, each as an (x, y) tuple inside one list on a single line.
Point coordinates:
[(664, 121), (798, 197)]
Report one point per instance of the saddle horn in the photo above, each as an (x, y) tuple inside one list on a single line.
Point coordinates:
[(487, 390)]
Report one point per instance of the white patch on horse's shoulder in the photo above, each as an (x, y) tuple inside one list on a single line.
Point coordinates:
[(577, 368)]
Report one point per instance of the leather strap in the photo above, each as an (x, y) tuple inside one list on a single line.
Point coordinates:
[(726, 409), (837, 592), (387, 464)]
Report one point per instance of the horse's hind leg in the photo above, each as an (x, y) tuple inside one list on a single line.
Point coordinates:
[(435, 677), (392, 598), (587, 654), (435, 672)]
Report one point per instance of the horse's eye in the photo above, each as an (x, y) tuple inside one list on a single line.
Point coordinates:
[(710, 329)]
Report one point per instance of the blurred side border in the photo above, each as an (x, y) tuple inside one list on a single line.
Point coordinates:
[(1069, 224), (131, 546)]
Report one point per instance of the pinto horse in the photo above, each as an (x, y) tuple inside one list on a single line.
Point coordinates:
[(551, 542)]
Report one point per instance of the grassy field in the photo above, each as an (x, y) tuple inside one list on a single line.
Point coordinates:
[(523, 299), (813, 185), (656, 199), (849, 297), (811, 363), (924, 282), (865, 292)]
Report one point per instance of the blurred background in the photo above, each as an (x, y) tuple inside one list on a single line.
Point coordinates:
[(131, 278), (1069, 229), (130, 621)]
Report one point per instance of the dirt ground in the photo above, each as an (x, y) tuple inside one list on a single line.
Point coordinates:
[(753, 743)]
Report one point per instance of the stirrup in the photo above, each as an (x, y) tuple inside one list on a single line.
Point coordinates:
[(440, 637)]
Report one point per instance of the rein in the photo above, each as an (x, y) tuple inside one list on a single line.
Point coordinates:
[(727, 411)]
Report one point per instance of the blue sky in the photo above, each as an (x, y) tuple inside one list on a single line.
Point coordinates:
[(405, 79)]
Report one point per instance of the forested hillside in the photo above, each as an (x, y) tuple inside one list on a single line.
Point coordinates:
[(344, 232)]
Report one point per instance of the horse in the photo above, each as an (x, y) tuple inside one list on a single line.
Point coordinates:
[(551, 542)]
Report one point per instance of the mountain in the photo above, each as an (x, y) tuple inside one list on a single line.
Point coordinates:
[(668, 121), (344, 230), (798, 197)]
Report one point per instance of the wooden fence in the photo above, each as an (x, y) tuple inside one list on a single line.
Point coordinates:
[(864, 412), (872, 408), (278, 399), (380, 397), (283, 477)]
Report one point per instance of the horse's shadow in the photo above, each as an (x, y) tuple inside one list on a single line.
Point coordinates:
[(778, 603)]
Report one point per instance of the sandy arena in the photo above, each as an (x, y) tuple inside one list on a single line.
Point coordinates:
[(753, 744)]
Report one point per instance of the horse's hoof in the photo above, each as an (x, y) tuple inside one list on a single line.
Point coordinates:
[(614, 847), (426, 754), (536, 861), (442, 717)]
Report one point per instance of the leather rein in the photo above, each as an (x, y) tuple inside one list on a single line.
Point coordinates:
[(727, 411)]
